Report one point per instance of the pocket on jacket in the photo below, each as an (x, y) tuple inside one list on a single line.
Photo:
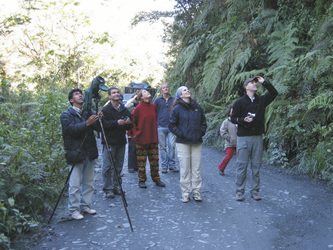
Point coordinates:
[(74, 157)]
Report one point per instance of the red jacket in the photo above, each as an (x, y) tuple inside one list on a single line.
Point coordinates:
[(145, 124)]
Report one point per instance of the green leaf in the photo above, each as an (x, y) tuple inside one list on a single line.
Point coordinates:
[(11, 201)]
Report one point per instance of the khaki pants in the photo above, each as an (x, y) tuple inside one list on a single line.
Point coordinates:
[(189, 156), (249, 150)]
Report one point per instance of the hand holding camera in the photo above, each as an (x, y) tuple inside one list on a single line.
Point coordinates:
[(249, 117), (124, 120)]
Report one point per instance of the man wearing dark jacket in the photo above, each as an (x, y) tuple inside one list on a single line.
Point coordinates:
[(81, 150), (116, 121), (249, 113), (166, 139)]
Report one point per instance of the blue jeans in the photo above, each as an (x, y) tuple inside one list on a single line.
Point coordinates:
[(167, 147), (118, 153), (81, 185)]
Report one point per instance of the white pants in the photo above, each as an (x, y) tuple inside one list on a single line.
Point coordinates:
[(189, 156)]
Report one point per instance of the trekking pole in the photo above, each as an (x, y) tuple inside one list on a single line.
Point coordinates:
[(69, 175), (113, 168)]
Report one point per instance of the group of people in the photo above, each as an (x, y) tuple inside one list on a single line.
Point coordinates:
[(170, 129)]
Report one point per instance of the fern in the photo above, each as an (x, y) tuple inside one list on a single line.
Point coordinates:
[(322, 101), (189, 55), (240, 61), (282, 47)]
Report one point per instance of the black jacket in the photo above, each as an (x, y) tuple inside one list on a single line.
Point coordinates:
[(244, 105), (188, 122), (73, 131), (114, 133)]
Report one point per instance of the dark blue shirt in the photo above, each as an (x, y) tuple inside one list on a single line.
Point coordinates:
[(163, 110)]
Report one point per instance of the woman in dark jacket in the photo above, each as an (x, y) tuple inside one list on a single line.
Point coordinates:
[(188, 123)]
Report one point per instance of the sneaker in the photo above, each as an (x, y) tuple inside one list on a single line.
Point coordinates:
[(131, 170), (164, 170), (109, 194), (197, 197), (239, 197), (142, 184), (186, 198), (175, 170), (256, 196), (221, 172), (76, 215), (88, 210), (159, 183)]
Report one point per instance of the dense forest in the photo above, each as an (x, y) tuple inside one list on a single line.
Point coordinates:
[(214, 46)]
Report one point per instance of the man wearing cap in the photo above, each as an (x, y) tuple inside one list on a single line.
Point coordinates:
[(249, 114)]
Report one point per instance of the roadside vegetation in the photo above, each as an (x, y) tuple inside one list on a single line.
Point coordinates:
[(215, 45)]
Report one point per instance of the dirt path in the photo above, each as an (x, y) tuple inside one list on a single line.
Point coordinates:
[(295, 213)]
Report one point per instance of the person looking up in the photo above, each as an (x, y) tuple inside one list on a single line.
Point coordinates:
[(132, 163), (145, 136), (249, 115), (188, 123), (81, 152), (165, 137)]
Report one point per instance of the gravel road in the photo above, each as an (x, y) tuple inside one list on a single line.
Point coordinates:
[(295, 213)]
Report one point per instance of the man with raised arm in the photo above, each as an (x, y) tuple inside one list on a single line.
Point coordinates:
[(249, 114)]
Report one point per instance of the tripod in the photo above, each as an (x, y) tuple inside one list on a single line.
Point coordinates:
[(113, 168), (67, 179)]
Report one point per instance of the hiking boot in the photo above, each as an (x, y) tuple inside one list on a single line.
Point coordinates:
[(76, 215), (88, 210), (239, 197), (159, 183), (186, 198), (142, 184), (197, 197), (256, 196), (175, 170), (109, 194), (164, 170), (221, 172)]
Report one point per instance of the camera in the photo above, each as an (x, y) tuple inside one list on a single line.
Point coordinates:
[(251, 115)]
